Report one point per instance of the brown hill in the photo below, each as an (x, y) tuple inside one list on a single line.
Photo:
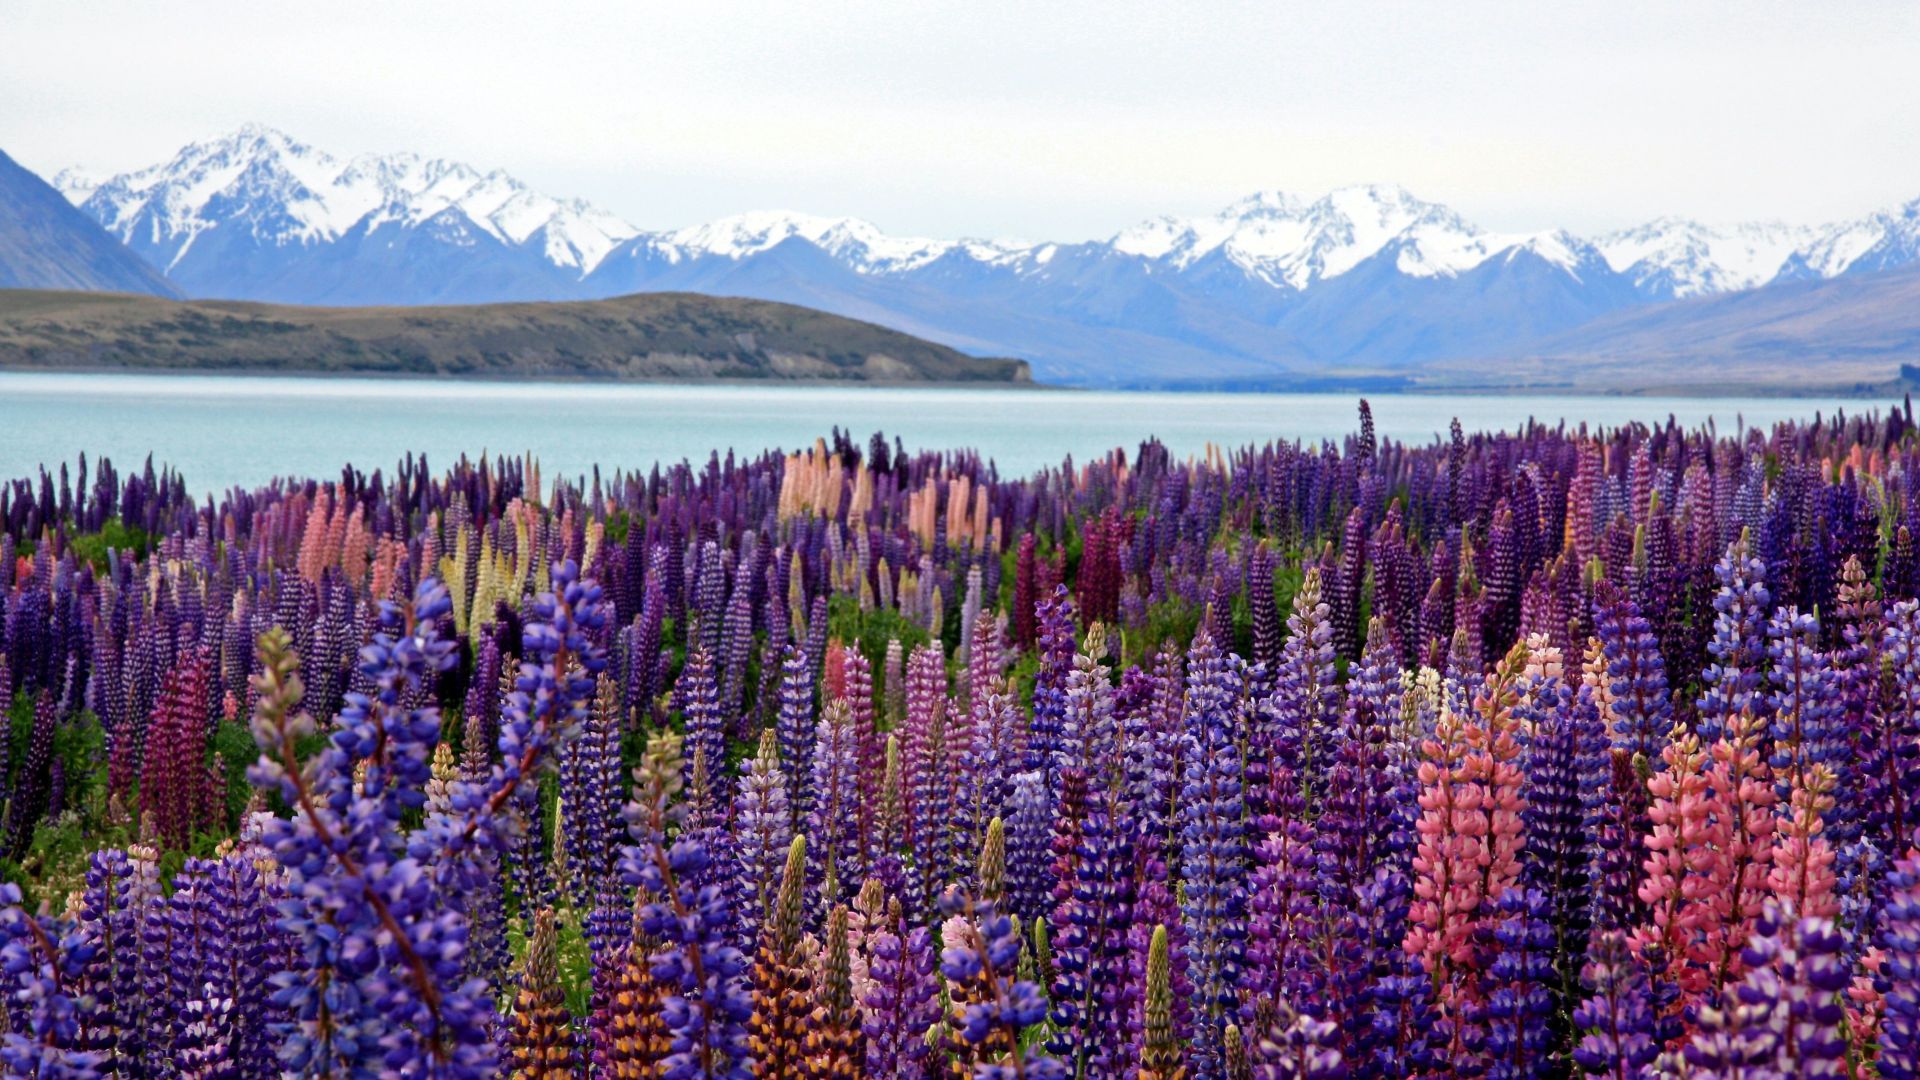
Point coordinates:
[(651, 336)]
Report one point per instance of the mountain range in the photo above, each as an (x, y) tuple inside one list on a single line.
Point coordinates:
[(1277, 290)]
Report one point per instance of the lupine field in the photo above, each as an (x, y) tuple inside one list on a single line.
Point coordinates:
[(1525, 754)]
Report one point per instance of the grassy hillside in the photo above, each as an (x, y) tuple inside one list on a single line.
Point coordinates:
[(651, 336)]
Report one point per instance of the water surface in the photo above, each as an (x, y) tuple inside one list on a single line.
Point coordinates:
[(222, 431)]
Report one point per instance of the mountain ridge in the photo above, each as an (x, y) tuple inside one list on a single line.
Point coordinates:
[(1277, 285), (46, 243)]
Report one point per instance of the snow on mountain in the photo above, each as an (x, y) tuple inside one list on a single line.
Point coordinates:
[(1879, 241), (289, 193), (76, 184), (1679, 258), (1291, 242)]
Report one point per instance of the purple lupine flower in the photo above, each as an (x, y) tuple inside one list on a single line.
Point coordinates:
[(982, 954), (1214, 849), (1046, 736), (692, 924), (644, 660), (43, 961), (590, 796), (1090, 949), (1738, 647), (795, 729), (1615, 1021), (1637, 679), (902, 1002), (1899, 976), (380, 976), (924, 780), (1890, 761), (1298, 1047), (1521, 980), (1808, 727), (1785, 1017), (763, 829), (833, 819), (705, 726), (1029, 839), (1262, 609), (1557, 857)]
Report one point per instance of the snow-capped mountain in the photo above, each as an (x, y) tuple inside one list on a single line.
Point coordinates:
[(1677, 258), (222, 205), (1292, 242), (1371, 277)]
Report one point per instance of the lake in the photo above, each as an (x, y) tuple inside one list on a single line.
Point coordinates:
[(222, 431)]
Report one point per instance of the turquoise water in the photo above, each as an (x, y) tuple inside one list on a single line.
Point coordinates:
[(222, 431)]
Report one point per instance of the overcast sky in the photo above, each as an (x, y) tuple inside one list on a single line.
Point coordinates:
[(1040, 120)]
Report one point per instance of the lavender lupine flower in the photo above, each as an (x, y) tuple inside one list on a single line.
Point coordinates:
[(1088, 737), (763, 828), (1808, 727), (707, 610), (699, 694), (1214, 849), (1305, 695), (833, 820), (796, 729), (1738, 647), (736, 644)]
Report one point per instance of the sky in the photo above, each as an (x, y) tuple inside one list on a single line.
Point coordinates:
[(1054, 120)]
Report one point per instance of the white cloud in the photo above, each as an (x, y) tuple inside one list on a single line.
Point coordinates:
[(1059, 120)]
